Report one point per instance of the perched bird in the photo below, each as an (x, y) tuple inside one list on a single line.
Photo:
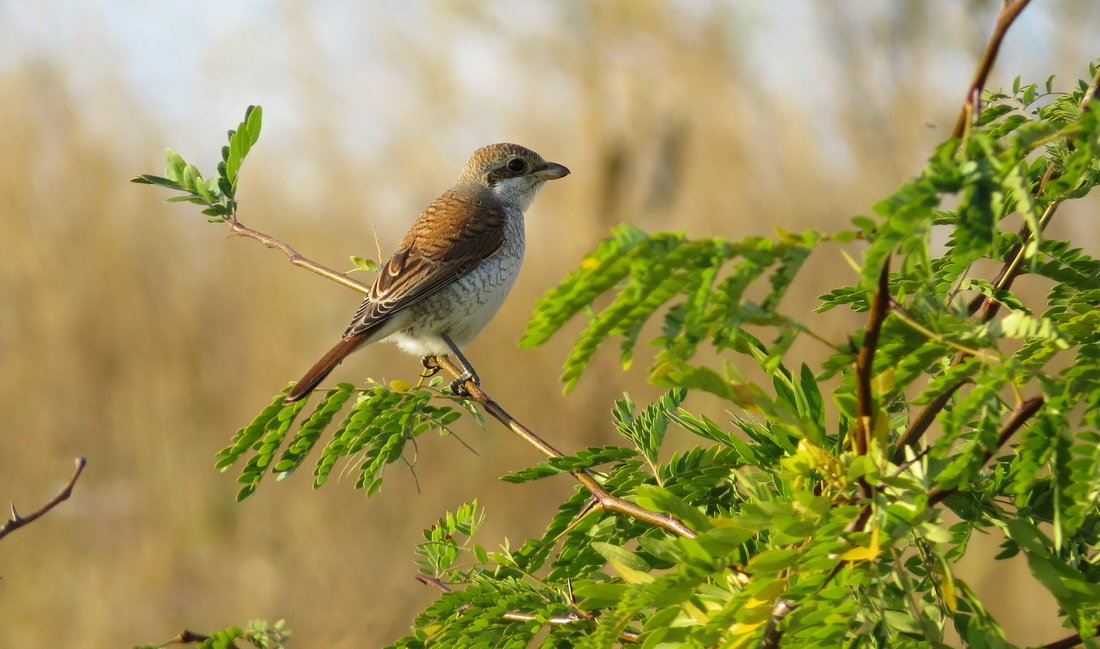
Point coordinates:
[(454, 267)]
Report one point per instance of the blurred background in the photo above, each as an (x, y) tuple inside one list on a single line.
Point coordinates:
[(136, 334)]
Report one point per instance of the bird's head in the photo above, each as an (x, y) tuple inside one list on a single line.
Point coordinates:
[(515, 174)]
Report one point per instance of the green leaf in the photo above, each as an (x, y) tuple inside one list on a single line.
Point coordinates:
[(592, 456), (646, 430), (681, 375), (621, 555), (773, 560), (175, 167), (363, 263), (664, 500)]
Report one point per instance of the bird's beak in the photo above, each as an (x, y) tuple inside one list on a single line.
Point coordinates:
[(551, 171)]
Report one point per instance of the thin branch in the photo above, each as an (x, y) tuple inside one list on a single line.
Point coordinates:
[(880, 307), (1068, 642), (972, 105), (18, 521), (903, 315), (1020, 416), (296, 258), (604, 499)]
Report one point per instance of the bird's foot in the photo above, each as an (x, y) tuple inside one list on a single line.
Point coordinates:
[(458, 386)]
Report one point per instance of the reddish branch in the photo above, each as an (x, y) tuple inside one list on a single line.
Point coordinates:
[(925, 417), (16, 521), (985, 306), (970, 110), (972, 106), (865, 362)]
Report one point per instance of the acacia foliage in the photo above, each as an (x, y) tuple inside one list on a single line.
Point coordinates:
[(804, 537)]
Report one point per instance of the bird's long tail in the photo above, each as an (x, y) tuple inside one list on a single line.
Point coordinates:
[(323, 367)]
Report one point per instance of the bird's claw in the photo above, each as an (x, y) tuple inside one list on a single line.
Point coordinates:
[(458, 386), (431, 367)]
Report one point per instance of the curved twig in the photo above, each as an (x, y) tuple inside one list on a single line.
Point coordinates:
[(296, 258), (16, 521)]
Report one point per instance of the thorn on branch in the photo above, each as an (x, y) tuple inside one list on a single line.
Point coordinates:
[(428, 580), (18, 520)]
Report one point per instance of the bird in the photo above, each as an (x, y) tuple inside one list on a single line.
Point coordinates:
[(453, 269)]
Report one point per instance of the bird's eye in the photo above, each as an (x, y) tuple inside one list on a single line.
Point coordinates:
[(517, 165)]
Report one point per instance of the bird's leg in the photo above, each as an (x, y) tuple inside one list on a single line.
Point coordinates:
[(468, 371)]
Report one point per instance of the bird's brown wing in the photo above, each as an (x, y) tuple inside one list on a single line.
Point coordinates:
[(449, 239)]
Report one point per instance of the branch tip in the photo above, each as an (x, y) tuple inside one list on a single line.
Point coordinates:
[(17, 520)]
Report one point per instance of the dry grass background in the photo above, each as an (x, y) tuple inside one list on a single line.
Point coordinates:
[(137, 335)]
